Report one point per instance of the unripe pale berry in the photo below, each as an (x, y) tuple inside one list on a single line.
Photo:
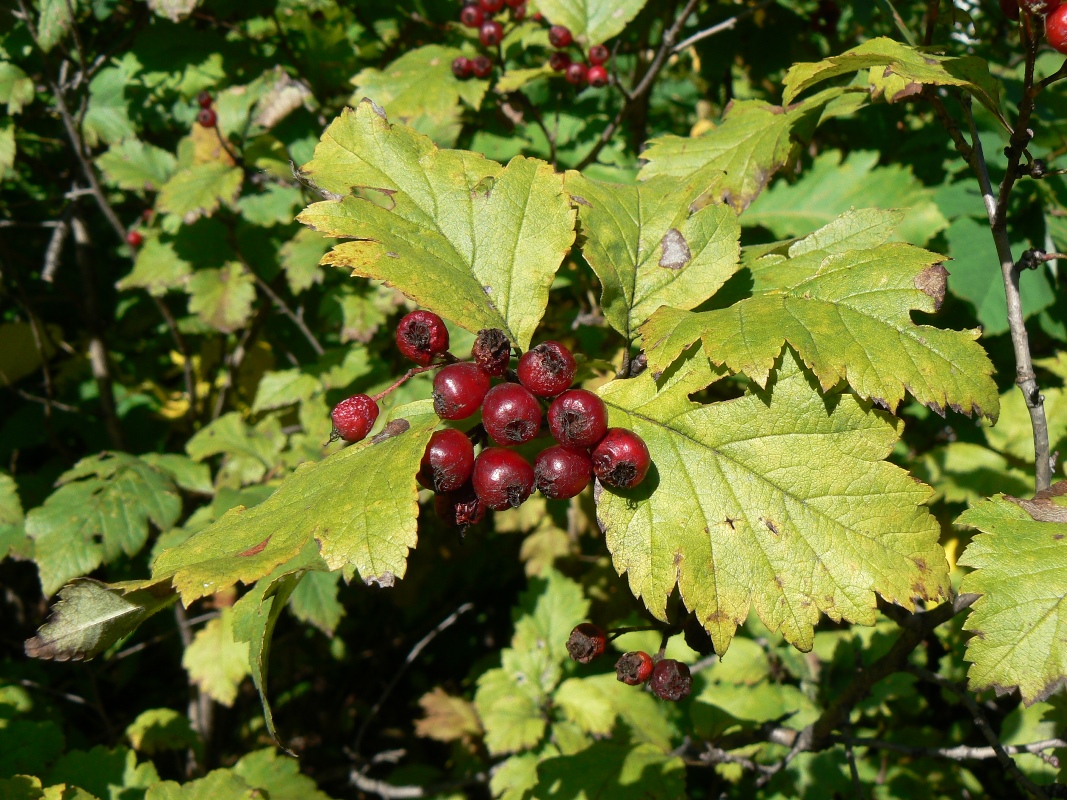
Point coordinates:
[(207, 118), (502, 478), (561, 472), (559, 36), (634, 668), (461, 67), (458, 390), (586, 642), (576, 73), (511, 415), (1056, 29), (559, 60), (548, 369), (472, 16), (492, 351), (597, 76), (621, 459), (671, 680), (598, 54), (448, 461), (481, 67), (460, 508), (491, 33), (421, 336), (353, 418), (578, 418)]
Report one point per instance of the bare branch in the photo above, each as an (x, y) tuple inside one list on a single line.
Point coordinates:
[(720, 27), (284, 308), (960, 752)]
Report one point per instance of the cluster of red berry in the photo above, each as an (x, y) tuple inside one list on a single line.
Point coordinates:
[(1054, 13), (207, 117), (668, 679), (512, 415), (594, 73)]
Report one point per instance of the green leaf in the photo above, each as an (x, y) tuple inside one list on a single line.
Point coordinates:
[(359, 505), (547, 612), (104, 772), (16, 87), (53, 22), (19, 352), (13, 541), (137, 166), (28, 746), (831, 187), (100, 511), (222, 298), (1013, 434), (21, 787), (1020, 564), (215, 661), (460, 235), (7, 149), (251, 449), (275, 206), (847, 313), (649, 249), (222, 784), (198, 190), (314, 600), (157, 268), (160, 729), (778, 500), (277, 775), (597, 702), (593, 21), (285, 388), (612, 769), (185, 472), (510, 712), (107, 118), (90, 616), (300, 259), (962, 472)]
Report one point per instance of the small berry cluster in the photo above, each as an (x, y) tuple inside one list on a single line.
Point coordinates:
[(479, 14), (577, 73), (207, 117), (668, 679), (498, 477)]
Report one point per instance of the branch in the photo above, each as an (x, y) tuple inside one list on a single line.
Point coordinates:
[(284, 308), (960, 752), (725, 25)]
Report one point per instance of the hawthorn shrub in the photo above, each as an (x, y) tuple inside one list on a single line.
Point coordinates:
[(803, 534)]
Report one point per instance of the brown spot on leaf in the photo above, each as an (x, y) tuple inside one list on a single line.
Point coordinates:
[(1042, 508), (730, 522), (394, 428), (255, 549), (676, 253), (932, 282), (377, 108), (920, 564), (1057, 536)]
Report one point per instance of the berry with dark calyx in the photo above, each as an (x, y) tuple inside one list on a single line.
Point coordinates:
[(492, 351), (559, 60), (671, 680), (559, 36), (511, 415), (462, 67), (134, 239), (421, 336), (1056, 29), (597, 76), (204, 99), (481, 66), (458, 390), (598, 54), (472, 16), (207, 118), (491, 6), (697, 637), (586, 642), (518, 13), (576, 73), (548, 369), (491, 33), (459, 508), (578, 418), (561, 472), (448, 461), (621, 459), (353, 418), (634, 668), (502, 478)]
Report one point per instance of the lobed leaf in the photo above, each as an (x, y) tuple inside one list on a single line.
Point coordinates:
[(591, 21)]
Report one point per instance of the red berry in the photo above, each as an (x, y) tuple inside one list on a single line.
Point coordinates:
[(461, 67), (481, 66), (421, 336), (502, 478), (353, 418), (576, 73), (586, 642), (134, 239), (458, 390), (634, 668), (514, 3), (472, 16), (538, 16), (1010, 8), (559, 60), (518, 13), (492, 351), (559, 36), (491, 6), (671, 680), (561, 472), (598, 54), (621, 459), (578, 418), (548, 369), (207, 118), (448, 461), (1056, 29), (204, 99), (511, 415), (460, 508), (597, 76), (491, 33)]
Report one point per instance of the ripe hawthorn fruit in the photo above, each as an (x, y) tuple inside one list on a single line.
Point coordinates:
[(511, 415), (491, 6), (458, 390), (1010, 9), (621, 459), (1056, 29), (472, 16), (502, 478), (559, 36), (448, 461), (598, 54), (134, 239), (586, 642), (207, 118), (576, 73), (548, 369), (597, 76), (518, 13), (204, 99), (671, 680), (561, 472), (353, 418), (492, 351), (578, 418), (462, 67), (634, 668), (559, 60), (481, 67), (491, 33), (421, 336), (459, 508)]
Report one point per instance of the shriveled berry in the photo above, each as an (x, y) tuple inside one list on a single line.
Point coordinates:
[(634, 668), (559, 60), (491, 6), (472, 16), (491, 33), (559, 36), (1056, 29), (462, 67), (353, 418), (458, 390), (578, 418), (134, 239), (492, 351), (502, 478), (671, 680), (586, 642), (511, 415), (447, 462), (459, 508), (561, 471), (421, 336), (576, 73), (481, 67), (597, 76), (204, 99), (621, 459), (207, 118), (598, 54), (548, 369)]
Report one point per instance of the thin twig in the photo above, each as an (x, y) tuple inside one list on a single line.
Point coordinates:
[(850, 756), (284, 308), (200, 705), (183, 351), (719, 27), (960, 752), (392, 792)]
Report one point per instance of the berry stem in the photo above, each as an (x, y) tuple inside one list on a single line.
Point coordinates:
[(411, 373), (226, 146), (615, 633)]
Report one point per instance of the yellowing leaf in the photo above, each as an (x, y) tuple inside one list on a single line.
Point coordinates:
[(222, 298), (215, 661), (198, 190), (447, 718), (593, 21)]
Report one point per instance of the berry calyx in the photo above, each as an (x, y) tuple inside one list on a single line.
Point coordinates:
[(492, 351), (481, 67), (561, 472), (559, 60), (458, 390), (511, 415), (491, 33), (353, 418), (462, 67), (134, 239), (491, 6), (559, 36), (576, 74), (448, 461), (671, 680), (460, 508), (207, 118), (421, 336), (1056, 29), (586, 642), (621, 459), (502, 478), (597, 76), (472, 16), (634, 668), (578, 418), (204, 99), (548, 369), (598, 54)]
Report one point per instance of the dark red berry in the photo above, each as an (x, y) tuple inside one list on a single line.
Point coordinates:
[(461, 67), (561, 471), (460, 508), (207, 118), (634, 668), (491, 33), (511, 415), (548, 369), (421, 336), (1010, 8), (518, 13), (559, 36), (514, 3), (458, 390), (353, 418), (576, 73), (1056, 29), (481, 66), (578, 418), (538, 16), (559, 60), (472, 16), (491, 6), (671, 680), (492, 351), (502, 478), (621, 459), (134, 239), (586, 642), (448, 461), (598, 54), (597, 76), (204, 99)]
